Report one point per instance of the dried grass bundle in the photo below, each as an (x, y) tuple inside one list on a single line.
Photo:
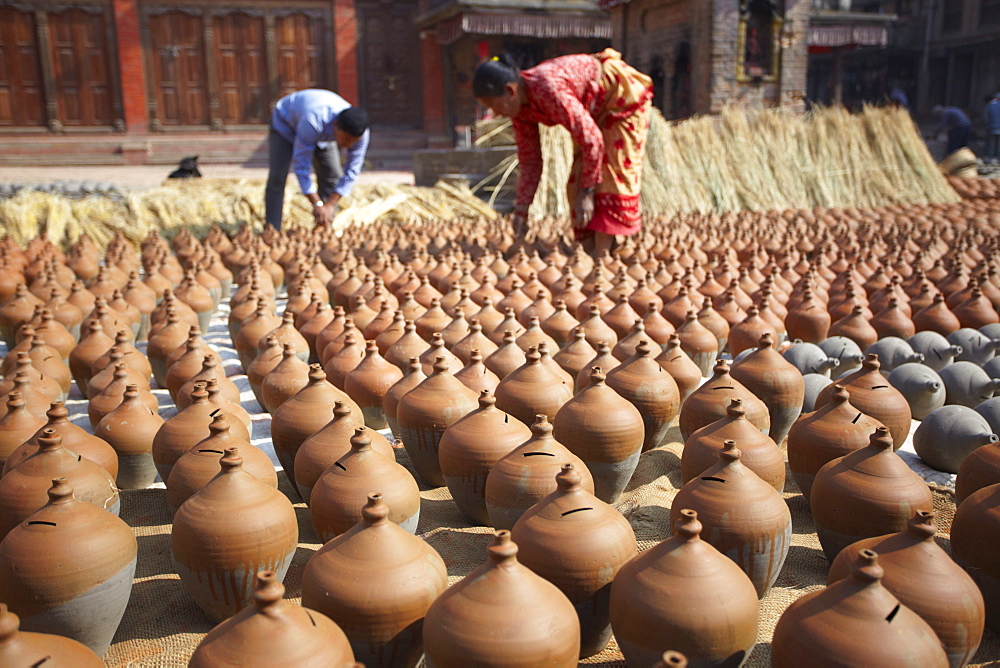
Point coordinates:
[(760, 160), (199, 204)]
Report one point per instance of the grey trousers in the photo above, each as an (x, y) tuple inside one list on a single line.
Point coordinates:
[(326, 163)]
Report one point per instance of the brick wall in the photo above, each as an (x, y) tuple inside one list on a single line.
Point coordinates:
[(647, 29), (133, 76), (345, 39)]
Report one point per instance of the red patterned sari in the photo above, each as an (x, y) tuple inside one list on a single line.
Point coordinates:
[(605, 104)]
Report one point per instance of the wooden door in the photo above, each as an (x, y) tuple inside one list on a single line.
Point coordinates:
[(22, 101), (81, 67), (300, 52), (178, 64), (390, 63), (240, 66)]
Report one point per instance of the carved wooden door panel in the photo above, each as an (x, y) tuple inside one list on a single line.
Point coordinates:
[(390, 63), (301, 53), (178, 62), (22, 100), (240, 65), (81, 67)]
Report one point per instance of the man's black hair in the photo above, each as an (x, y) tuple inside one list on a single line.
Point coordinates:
[(353, 121)]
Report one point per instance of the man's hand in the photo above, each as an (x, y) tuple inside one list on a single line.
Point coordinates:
[(325, 214), (584, 209)]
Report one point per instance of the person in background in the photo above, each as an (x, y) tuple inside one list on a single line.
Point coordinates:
[(308, 129), (957, 124), (992, 113), (897, 97), (605, 104)]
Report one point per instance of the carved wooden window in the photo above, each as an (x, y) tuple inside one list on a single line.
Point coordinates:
[(758, 46)]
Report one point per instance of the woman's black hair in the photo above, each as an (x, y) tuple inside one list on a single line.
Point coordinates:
[(353, 121), (491, 77)]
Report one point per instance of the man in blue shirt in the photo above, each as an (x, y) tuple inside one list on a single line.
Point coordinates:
[(957, 124), (308, 129), (992, 113)]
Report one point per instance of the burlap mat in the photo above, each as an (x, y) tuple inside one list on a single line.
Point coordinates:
[(162, 625)]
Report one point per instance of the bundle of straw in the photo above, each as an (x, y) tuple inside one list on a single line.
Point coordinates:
[(199, 204), (760, 160)]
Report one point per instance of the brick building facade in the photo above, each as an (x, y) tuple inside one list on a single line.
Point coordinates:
[(705, 53), (147, 81)]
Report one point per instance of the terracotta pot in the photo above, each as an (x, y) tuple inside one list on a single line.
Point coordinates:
[(809, 320), (112, 396), (936, 317), (407, 346), (23, 648), (24, 488), (130, 430), (474, 340), (526, 475), (854, 621), (413, 376), (532, 389), (544, 630), (653, 391), (160, 345), (925, 579), (186, 429), (74, 438), (336, 498), (253, 330), (466, 457), (507, 358), (185, 362), (93, 344), (101, 380), (980, 469), (285, 380), (262, 365), (338, 364), (766, 374), (759, 452), (332, 441), (425, 412), (603, 359), (700, 344), (836, 429), (597, 330), (747, 333), (274, 632), (604, 430), (85, 602), (233, 527), (872, 394), (683, 593), (383, 616), (476, 376), (199, 465), (131, 356), (709, 402), (743, 517), (560, 324), (681, 368), (866, 493), (856, 327), (577, 543), (574, 356), (368, 384), (17, 426)]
